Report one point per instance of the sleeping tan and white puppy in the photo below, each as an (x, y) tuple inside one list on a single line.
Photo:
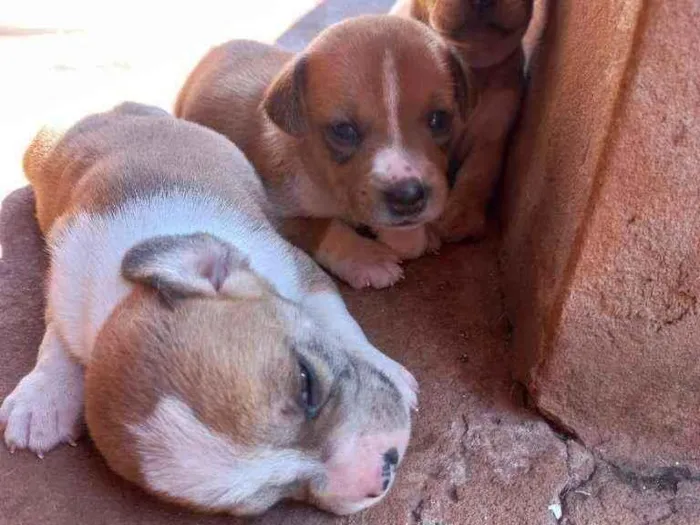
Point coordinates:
[(217, 365)]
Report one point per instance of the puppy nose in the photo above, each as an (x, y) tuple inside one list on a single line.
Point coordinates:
[(483, 5), (390, 460), (391, 457), (407, 197)]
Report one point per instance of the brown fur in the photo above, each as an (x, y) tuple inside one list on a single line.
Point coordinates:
[(86, 169), (277, 108), (196, 323), (489, 41), (217, 383)]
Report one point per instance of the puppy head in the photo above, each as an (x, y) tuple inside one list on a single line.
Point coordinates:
[(486, 31), (376, 102), (209, 390)]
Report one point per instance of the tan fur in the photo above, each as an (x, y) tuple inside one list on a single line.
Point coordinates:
[(100, 176), (277, 107), (495, 73), (195, 325), (229, 401)]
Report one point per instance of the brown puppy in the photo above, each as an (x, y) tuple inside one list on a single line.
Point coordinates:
[(488, 35), (355, 130)]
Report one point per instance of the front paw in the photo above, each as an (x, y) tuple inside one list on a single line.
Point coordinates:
[(401, 377), (41, 413), (372, 265), (410, 244), (459, 223)]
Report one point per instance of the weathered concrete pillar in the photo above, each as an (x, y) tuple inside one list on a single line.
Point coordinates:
[(601, 251)]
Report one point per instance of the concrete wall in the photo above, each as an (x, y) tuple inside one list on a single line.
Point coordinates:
[(601, 250)]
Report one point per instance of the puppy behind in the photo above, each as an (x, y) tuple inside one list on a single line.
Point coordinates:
[(356, 130), (488, 36), (217, 365)]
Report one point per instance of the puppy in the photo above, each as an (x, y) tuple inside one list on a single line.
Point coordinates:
[(354, 131), (488, 35), (217, 364)]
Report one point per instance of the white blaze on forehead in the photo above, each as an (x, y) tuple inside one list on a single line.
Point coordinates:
[(183, 458), (390, 164), (391, 88)]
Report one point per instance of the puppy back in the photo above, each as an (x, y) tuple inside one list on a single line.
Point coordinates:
[(225, 89), (132, 152)]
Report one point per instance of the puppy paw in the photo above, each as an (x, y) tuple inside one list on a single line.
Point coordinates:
[(409, 244), (374, 265), (41, 413), (458, 224), (402, 379)]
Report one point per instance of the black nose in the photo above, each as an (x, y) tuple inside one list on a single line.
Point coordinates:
[(483, 5), (407, 197), (391, 457)]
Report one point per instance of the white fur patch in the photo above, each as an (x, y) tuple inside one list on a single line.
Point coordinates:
[(183, 458), (87, 252), (391, 89), (390, 165)]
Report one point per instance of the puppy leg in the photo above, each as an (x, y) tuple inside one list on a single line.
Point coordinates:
[(465, 214), (486, 136), (410, 244), (45, 408), (328, 307), (358, 261)]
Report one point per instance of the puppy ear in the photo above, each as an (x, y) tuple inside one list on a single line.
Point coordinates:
[(197, 265), (284, 100), (459, 80)]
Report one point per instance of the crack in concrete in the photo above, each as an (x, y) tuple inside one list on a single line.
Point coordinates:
[(569, 487), (460, 454), (417, 511), (667, 479)]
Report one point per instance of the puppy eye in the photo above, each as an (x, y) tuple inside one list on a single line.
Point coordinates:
[(310, 392), (344, 134), (440, 123)]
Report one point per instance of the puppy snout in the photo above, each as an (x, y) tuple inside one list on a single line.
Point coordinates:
[(391, 457), (407, 197), (389, 461), (483, 5)]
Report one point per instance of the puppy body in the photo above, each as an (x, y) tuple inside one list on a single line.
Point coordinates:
[(488, 35), (217, 364), (251, 67), (356, 130)]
